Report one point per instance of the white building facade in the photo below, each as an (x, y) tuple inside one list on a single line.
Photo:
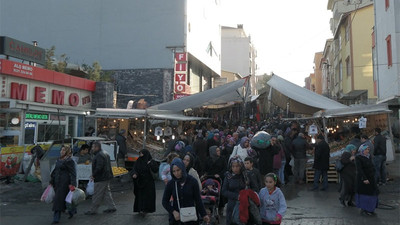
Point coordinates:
[(386, 54), (238, 53)]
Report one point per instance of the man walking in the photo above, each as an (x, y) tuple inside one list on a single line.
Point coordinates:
[(101, 174), (379, 157), (299, 148), (321, 163)]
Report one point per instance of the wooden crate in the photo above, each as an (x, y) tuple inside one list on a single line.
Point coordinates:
[(333, 175)]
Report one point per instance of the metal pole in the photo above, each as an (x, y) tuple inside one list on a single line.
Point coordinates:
[(325, 130)]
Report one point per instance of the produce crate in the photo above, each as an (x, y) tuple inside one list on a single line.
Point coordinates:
[(333, 175)]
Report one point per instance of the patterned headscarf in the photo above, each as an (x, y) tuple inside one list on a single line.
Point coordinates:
[(362, 149), (349, 148)]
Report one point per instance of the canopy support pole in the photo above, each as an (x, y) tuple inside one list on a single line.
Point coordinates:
[(145, 131), (325, 130)]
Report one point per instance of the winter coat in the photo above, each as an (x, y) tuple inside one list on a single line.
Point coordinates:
[(321, 156), (348, 173), (278, 158), (379, 145), (121, 140), (231, 187), (299, 148), (365, 171), (272, 205), (244, 197), (144, 186), (63, 175), (216, 167), (266, 158), (101, 167), (255, 176), (188, 191)]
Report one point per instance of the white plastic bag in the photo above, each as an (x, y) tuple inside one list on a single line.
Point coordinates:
[(68, 199), (78, 196), (48, 195), (90, 188)]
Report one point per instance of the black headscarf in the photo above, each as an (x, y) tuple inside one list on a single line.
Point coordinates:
[(141, 165), (191, 163)]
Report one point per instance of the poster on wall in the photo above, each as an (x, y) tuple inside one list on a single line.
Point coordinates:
[(362, 123), (10, 160)]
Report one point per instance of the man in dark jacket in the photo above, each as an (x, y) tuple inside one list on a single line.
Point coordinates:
[(101, 175), (321, 163), (299, 148), (121, 140), (379, 157)]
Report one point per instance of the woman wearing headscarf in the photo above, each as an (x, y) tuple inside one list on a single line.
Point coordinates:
[(188, 193), (227, 148), (143, 184), (189, 161), (348, 175), (215, 165), (235, 180), (63, 180), (366, 187), (242, 150)]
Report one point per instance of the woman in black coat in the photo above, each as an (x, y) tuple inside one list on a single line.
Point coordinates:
[(215, 164), (183, 188), (144, 188), (63, 180), (236, 179), (366, 187), (348, 175)]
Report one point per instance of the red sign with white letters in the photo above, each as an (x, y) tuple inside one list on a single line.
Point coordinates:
[(180, 56), (180, 77)]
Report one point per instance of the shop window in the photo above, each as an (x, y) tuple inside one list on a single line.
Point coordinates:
[(48, 132), (389, 50), (71, 126)]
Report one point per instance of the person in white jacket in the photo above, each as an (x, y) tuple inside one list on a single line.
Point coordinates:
[(242, 149)]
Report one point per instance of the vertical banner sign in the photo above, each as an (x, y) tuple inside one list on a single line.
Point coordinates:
[(180, 74)]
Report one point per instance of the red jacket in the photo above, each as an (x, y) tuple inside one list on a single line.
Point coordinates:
[(244, 196)]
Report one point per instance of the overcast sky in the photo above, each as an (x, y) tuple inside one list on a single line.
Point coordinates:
[(286, 33)]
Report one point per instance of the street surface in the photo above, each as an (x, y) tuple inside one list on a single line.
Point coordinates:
[(20, 205)]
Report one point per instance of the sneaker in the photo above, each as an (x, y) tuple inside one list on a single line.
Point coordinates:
[(110, 210), (90, 213)]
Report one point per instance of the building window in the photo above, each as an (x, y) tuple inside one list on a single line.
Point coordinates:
[(387, 4), (389, 50), (340, 71), (340, 40), (348, 66), (373, 38)]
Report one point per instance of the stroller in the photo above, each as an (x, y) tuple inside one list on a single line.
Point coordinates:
[(211, 201)]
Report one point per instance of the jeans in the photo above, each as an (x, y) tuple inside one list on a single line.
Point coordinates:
[(281, 172), (380, 168), (299, 169), (317, 175)]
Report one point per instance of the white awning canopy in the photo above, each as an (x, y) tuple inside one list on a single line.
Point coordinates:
[(300, 100), (233, 91), (135, 113), (354, 110)]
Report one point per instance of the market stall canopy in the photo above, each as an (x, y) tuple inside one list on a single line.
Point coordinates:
[(233, 91), (354, 110), (134, 113), (300, 100)]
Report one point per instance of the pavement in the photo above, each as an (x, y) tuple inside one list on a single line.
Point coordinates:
[(20, 204)]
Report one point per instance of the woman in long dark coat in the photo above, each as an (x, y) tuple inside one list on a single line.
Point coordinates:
[(348, 175), (143, 184), (366, 187), (63, 179)]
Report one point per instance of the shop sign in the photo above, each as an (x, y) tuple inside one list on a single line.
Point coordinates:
[(180, 57), (178, 96), (56, 117), (20, 92), (30, 125), (36, 116), (22, 50), (180, 77)]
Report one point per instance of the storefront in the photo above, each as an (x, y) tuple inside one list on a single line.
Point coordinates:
[(39, 105)]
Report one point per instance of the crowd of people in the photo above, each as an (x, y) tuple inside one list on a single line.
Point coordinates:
[(207, 158)]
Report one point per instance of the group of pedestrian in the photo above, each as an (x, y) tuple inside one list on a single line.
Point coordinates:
[(363, 171), (63, 180)]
